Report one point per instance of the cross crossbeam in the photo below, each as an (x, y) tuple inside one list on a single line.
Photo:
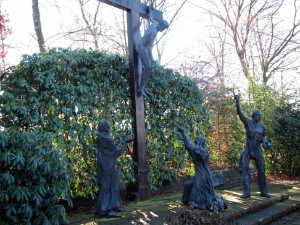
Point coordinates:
[(133, 5)]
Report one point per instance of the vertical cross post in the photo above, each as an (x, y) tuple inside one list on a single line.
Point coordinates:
[(137, 104), (135, 10)]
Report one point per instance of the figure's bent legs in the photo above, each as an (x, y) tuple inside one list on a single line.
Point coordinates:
[(109, 199), (187, 188), (244, 170), (261, 176), (147, 66), (144, 80)]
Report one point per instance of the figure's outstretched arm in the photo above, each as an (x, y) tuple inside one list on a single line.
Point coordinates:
[(123, 145), (238, 109), (189, 145)]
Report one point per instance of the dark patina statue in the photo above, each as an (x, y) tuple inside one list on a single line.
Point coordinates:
[(199, 190), (109, 199), (255, 136), (144, 50)]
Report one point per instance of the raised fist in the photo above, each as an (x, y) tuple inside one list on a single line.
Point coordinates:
[(237, 97), (180, 129)]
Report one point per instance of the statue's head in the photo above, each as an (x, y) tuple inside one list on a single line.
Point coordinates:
[(103, 126), (200, 140), (162, 25), (256, 115)]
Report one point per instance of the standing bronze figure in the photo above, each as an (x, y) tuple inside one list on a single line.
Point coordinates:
[(255, 136), (144, 50), (109, 198), (199, 189)]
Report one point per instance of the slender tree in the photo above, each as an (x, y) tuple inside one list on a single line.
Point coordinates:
[(38, 25)]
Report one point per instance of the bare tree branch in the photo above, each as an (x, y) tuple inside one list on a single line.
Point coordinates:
[(257, 33)]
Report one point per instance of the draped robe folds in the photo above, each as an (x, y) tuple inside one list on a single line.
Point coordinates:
[(108, 177), (199, 189)]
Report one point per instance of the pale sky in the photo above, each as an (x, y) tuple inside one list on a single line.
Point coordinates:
[(183, 41), (23, 38)]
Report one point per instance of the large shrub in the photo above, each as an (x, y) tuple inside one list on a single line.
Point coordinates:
[(33, 179), (66, 92), (287, 139)]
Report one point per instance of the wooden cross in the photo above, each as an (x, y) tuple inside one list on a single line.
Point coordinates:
[(135, 10)]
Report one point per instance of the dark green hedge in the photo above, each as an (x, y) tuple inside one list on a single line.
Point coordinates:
[(33, 179), (66, 92), (287, 140)]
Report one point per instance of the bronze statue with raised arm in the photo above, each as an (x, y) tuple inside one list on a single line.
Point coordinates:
[(109, 198), (255, 136), (144, 50), (199, 189)]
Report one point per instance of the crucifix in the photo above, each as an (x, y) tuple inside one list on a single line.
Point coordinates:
[(135, 10)]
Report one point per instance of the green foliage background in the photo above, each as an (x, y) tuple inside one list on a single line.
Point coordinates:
[(281, 118), (51, 105), (33, 179), (279, 115), (287, 130), (66, 92)]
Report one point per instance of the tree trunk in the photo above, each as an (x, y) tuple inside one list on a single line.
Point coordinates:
[(37, 25)]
